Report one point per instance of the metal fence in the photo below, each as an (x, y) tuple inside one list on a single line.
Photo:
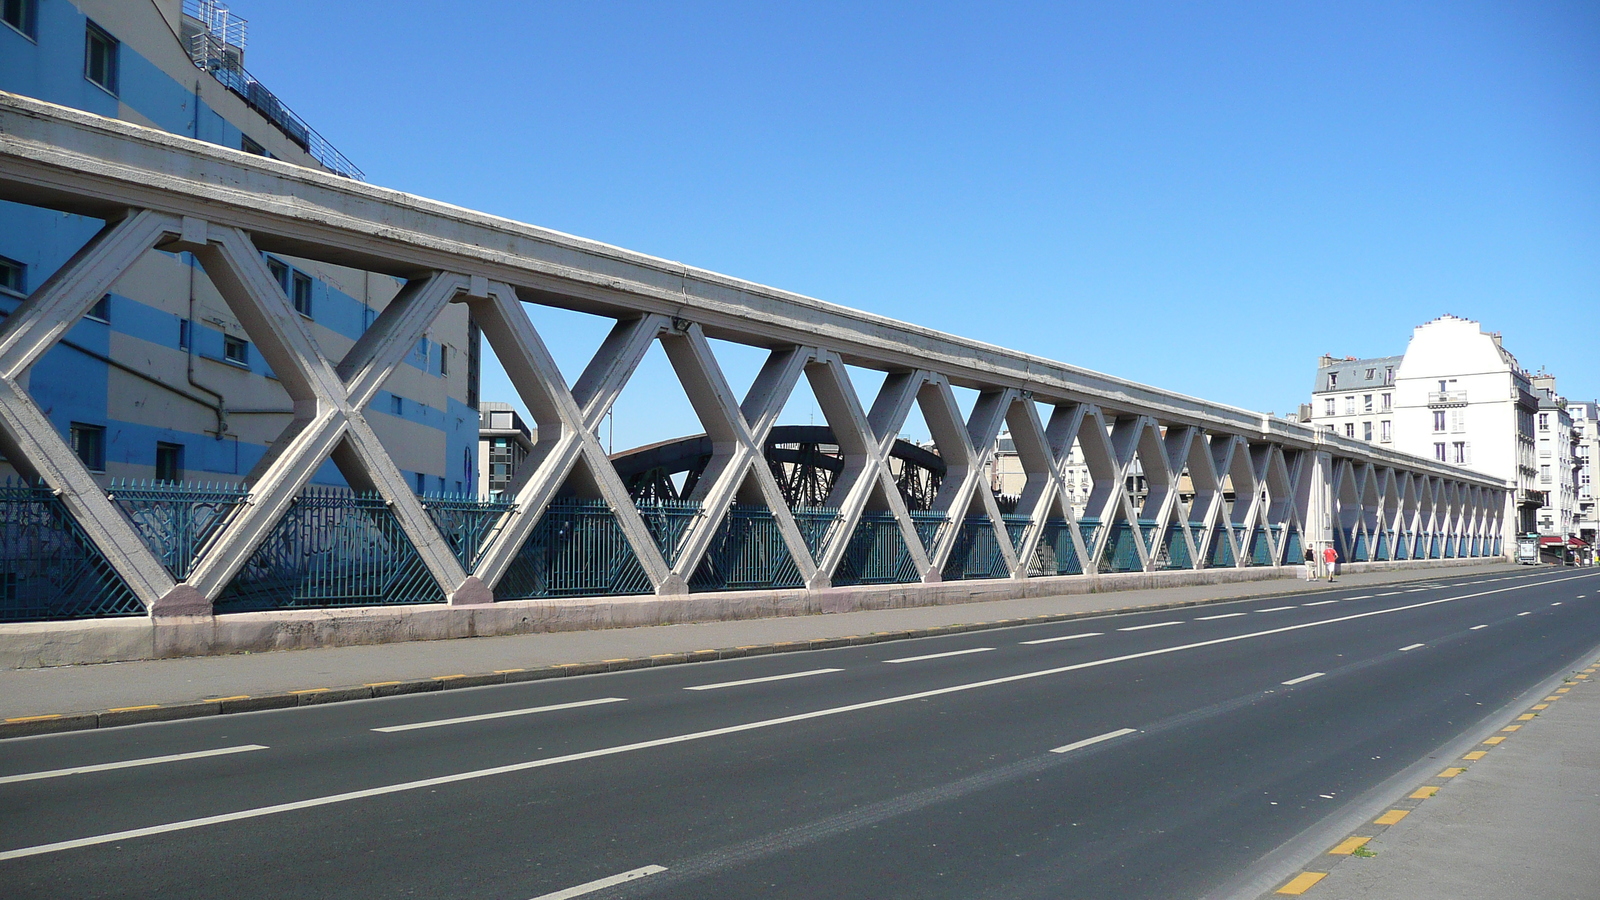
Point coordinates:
[(48, 568), (576, 549), (175, 520), (747, 552)]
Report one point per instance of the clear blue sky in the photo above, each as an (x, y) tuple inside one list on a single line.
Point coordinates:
[(1203, 197)]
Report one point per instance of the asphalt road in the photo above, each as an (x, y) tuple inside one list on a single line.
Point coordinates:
[(1192, 743)]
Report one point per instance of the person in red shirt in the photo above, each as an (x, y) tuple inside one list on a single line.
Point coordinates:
[(1330, 556)]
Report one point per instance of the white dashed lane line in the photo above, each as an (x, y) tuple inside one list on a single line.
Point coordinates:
[(1151, 625), (1275, 609), (906, 659), (1322, 602), (1304, 678), (1065, 637), (1528, 613), (1223, 616), (1411, 647), (1476, 627)]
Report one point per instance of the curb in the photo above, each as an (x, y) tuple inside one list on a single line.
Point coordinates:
[(29, 726)]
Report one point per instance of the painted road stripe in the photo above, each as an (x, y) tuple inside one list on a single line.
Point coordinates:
[(783, 677), (1275, 609), (1076, 745), (1452, 772), (589, 887), (1302, 883), (1528, 613), (1066, 637), (1321, 602), (1423, 793), (1304, 678), (529, 765), (1557, 603), (1476, 627), (1151, 625), (1391, 817), (1411, 647), (1475, 755), (129, 763), (1223, 616), (1349, 846), (1362, 597), (1386, 594), (462, 720), (905, 659)]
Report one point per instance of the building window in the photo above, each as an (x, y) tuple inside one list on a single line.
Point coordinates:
[(474, 362), (100, 58), (21, 15), (1388, 402), (1544, 448), (1388, 375), (1438, 420), (1350, 429), (1458, 420), (1366, 431), (184, 328), (1438, 452), (169, 461), (101, 310), (235, 350), (1328, 408), (1386, 431), (250, 146), (11, 276), (1331, 428), (1458, 453), (301, 294), (397, 405), (1350, 405), (1544, 421), (1366, 403), (89, 443), (444, 360), (280, 274), (1544, 474), (422, 482), (1333, 380)]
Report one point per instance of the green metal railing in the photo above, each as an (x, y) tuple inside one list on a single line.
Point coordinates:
[(466, 523), (1054, 554), (176, 520), (816, 524), (1294, 550), (1178, 556), (333, 547), (667, 521), (877, 553), (48, 568), (1221, 551), (746, 553), (576, 549), (976, 552)]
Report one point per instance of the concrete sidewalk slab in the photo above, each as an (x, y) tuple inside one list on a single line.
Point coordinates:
[(1519, 822), (66, 691)]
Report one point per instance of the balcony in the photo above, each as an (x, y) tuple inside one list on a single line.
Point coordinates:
[(1447, 398)]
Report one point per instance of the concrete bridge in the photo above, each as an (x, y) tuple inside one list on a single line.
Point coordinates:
[(1232, 494)]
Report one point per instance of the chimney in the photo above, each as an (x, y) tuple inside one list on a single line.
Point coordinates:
[(1326, 361)]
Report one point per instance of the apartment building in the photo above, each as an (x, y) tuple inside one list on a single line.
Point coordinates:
[(1355, 397)]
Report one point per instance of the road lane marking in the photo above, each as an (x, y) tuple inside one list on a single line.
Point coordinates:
[(1476, 755), (1275, 609), (128, 763), (1411, 647), (1528, 613), (1511, 728), (1529, 717), (504, 714), (529, 765), (1476, 627), (1302, 883), (1540, 706), (1322, 602), (1076, 745), (906, 659), (1496, 739), (1349, 845), (1414, 590), (1424, 793), (783, 677), (1452, 772), (1557, 603), (1392, 816), (1066, 637), (1362, 597), (1304, 678), (1223, 616), (589, 887), (1386, 594), (1151, 625)]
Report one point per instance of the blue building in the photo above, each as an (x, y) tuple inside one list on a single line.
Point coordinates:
[(159, 380)]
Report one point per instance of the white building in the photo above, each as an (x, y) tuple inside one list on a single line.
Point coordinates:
[(1355, 397), (1586, 421), (1557, 443)]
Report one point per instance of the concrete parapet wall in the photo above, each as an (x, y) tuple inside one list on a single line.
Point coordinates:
[(37, 644)]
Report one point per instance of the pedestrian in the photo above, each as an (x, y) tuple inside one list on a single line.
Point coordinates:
[(1330, 556), (1311, 564)]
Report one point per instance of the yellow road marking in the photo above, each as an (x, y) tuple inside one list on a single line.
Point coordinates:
[(134, 708), (35, 718), (1391, 817), (1452, 772), (1476, 754), (1423, 793), (311, 691), (1511, 728), (1552, 698), (1562, 690), (618, 659), (226, 699), (1540, 706), (1348, 846), (659, 655), (1302, 882), (447, 677), (1495, 740), (1581, 675), (565, 665), (379, 683), (1525, 717)]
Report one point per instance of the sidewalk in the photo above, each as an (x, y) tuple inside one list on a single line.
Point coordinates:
[(75, 697), (1520, 821)]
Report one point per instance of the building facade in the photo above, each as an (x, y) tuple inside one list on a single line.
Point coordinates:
[(1355, 397), (1586, 422), (160, 381), (504, 441)]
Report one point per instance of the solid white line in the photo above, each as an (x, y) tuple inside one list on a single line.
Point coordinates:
[(128, 763), (1385, 594), (1066, 637), (1275, 609), (390, 729), (786, 675), (1075, 745), (939, 655), (1223, 616), (589, 887), (529, 765), (1476, 627), (1304, 678), (1320, 603), (1411, 647), (1363, 597), (1151, 625)]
